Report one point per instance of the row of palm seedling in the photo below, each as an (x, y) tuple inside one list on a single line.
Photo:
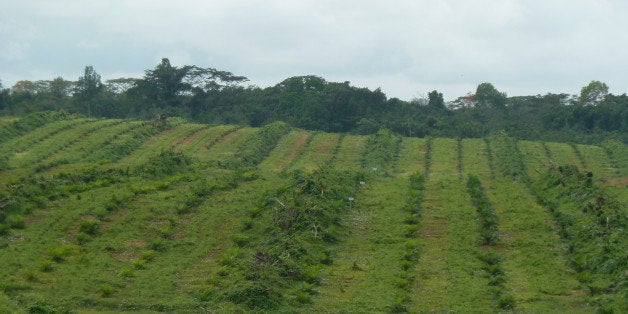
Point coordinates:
[(25, 195), (490, 157), (489, 234), (618, 155), (29, 123), (26, 141), (90, 145), (594, 226), (124, 144), (59, 142), (382, 149), (506, 157), (410, 256), (284, 242), (257, 147)]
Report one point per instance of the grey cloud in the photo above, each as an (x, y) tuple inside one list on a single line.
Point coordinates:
[(405, 47)]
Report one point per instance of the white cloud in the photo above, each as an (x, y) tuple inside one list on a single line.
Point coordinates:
[(406, 47)]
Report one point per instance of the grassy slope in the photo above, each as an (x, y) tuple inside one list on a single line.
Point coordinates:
[(121, 268), (535, 270), (448, 274), (366, 262)]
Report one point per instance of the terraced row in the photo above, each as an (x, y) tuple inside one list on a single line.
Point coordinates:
[(149, 246)]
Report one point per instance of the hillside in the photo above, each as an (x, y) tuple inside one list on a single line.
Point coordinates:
[(118, 215)]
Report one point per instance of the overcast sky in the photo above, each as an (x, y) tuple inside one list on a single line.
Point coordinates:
[(407, 48)]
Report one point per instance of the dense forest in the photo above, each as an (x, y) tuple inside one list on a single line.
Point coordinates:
[(207, 95)]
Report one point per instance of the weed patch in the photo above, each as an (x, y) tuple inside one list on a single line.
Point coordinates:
[(593, 224), (297, 222)]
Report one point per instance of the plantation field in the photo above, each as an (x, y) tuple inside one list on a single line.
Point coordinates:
[(115, 216)]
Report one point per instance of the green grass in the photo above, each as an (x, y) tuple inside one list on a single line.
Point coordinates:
[(564, 154), (350, 152), (319, 151), (475, 159), (596, 161), (229, 144), (287, 151), (156, 144), (125, 216), (534, 157), (362, 275), (411, 156), (91, 143), (22, 143), (55, 143), (537, 274), (448, 275)]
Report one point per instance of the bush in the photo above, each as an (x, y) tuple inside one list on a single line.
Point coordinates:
[(139, 264), (16, 222), (255, 295), (149, 255), (46, 266), (89, 226), (81, 238), (106, 290), (59, 254), (506, 302), (158, 245)]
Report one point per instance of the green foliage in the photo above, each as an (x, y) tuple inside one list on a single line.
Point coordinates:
[(618, 155), (412, 249), (592, 222), (44, 308), (294, 222), (59, 254), (487, 96), (106, 290), (89, 226), (123, 144), (30, 123), (34, 191), (486, 213), (506, 157), (229, 253), (593, 94), (382, 149), (166, 163)]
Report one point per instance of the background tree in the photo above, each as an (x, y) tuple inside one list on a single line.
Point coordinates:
[(60, 88), (88, 88), (436, 101), (593, 93), (5, 98), (487, 96)]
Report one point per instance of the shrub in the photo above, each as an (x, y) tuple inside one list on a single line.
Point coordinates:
[(240, 240), (254, 294), (16, 222), (46, 266), (149, 255), (158, 245), (106, 290), (139, 264), (30, 275), (89, 226), (506, 302), (59, 254), (81, 238)]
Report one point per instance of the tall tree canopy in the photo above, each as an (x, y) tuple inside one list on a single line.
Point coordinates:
[(87, 89), (487, 96), (593, 94)]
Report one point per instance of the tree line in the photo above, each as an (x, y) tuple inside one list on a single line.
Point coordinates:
[(207, 95)]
